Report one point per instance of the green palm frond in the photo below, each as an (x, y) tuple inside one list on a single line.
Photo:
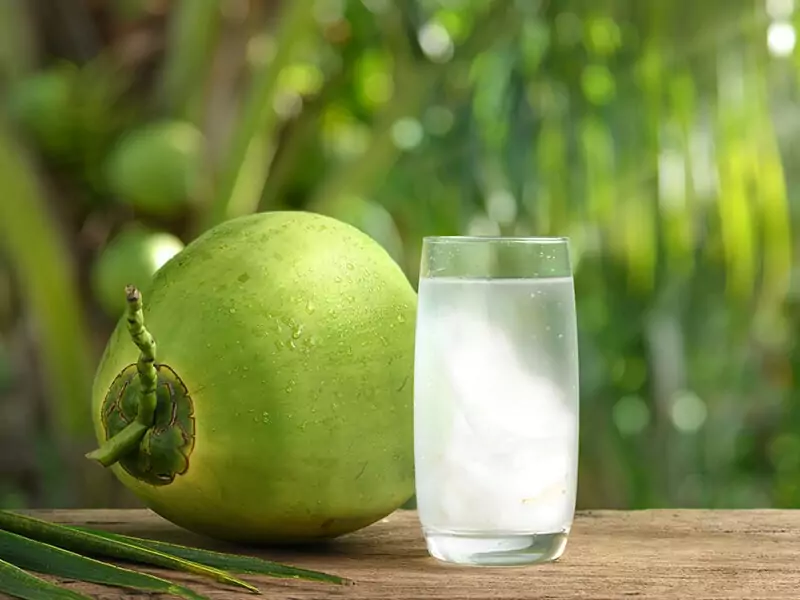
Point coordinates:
[(19, 584), (234, 563), (95, 545), (31, 544), (44, 558)]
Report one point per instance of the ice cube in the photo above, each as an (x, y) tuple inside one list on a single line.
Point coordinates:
[(497, 393), (518, 488)]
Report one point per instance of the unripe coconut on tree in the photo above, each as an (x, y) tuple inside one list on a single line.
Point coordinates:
[(42, 104), (157, 167), (268, 395), (371, 218), (131, 257)]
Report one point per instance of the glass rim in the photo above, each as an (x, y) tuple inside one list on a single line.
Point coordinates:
[(455, 239)]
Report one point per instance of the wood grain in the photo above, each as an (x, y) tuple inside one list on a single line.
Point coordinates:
[(692, 554)]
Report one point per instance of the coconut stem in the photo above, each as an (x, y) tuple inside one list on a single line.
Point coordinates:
[(128, 439), (121, 444), (148, 376)]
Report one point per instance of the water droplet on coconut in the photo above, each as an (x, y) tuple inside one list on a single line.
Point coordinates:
[(232, 310), (337, 279), (310, 307), (292, 345), (265, 417), (401, 319), (350, 266), (298, 331)]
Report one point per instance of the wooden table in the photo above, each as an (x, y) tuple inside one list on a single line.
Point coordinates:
[(688, 554)]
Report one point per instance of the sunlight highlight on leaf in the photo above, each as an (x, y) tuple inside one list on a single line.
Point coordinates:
[(676, 189), (639, 239), (735, 221), (551, 199), (599, 162)]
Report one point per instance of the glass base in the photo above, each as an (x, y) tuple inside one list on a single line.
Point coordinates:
[(496, 550)]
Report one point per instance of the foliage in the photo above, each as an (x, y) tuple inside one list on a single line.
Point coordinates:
[(73, 552), (657, 135)]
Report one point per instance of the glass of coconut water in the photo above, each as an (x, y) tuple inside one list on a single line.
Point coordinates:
[(496, 399)]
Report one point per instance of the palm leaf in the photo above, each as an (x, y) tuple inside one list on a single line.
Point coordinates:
[(44, 558), (17, 583), (93, 544), (234, 563)]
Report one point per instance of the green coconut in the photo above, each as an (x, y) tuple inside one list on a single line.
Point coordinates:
[(270, 396), (43, 105), (132, 257), (371, 218), (156, 168)]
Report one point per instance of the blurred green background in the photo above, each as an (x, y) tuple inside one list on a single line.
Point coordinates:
[(660, 135)]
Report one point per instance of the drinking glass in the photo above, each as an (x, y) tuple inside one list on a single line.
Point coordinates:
[(496, 399)]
